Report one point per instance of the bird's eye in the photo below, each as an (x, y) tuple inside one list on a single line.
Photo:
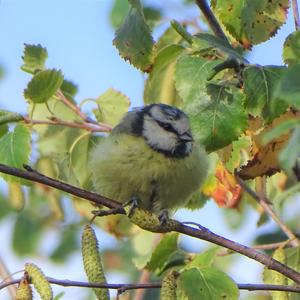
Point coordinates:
[(167, 126)]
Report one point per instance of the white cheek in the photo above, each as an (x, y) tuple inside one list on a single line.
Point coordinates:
[(158, 137), (188, 147)]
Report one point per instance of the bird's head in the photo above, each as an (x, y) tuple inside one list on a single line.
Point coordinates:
[(166, 129)]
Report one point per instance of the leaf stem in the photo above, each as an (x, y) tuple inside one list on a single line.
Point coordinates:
[(181, 31), (72, 106)]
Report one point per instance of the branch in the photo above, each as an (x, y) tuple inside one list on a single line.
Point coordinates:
[(201, 233), (93, 127), (263, 201), (211, 19), (155, 285), (35, 176), (296, 14), (207, 235)]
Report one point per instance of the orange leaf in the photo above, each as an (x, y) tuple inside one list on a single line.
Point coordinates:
[(223, 188)]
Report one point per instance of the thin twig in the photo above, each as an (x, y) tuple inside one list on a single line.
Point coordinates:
[(263, 201), (155, 285), (211, 19), (201, 233), (144, 279), (4, 273), (271, 246), (296, 14), (72, 106), (56, 121)]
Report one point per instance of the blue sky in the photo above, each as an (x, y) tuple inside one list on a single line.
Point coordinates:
[(78, 37)]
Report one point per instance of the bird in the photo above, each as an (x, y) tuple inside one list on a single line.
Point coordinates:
[(150, 156)]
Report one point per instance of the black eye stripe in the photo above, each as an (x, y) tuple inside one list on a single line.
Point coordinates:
[(167, 126)]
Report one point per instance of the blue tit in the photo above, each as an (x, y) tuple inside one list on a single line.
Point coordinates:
[(151, 156)]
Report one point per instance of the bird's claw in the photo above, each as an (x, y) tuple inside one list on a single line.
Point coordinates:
[(163, 217), (133, 203)]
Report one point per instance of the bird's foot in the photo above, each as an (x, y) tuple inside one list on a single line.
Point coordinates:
[(108, 212), (163, 217), (133, 203)]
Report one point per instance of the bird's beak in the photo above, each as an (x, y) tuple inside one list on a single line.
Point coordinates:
[(187, 137)]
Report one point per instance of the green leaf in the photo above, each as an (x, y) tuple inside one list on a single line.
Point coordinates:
[(133, 39), (204, 40), (68, 243), (260, 84), (43, 86), (52, 108), (15, 149), (218, 121), (169, 37), (162, 252), (34, 58), (160, 85), (288, 88), (57, 141), (204, 259), (8, 117), (59, 296), (69, 89), (207, 284), (1, 72), (112, 105), (120, 10), (196, 201), (291, 151), (293, 261), (191, 77), (274, 277), (152, 16), (16, 196), (293, 258), (79, 157), (291, 49), (118, 13), (239, 154), (251, 21), (5, 208), (26, 234), (3, 129)]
